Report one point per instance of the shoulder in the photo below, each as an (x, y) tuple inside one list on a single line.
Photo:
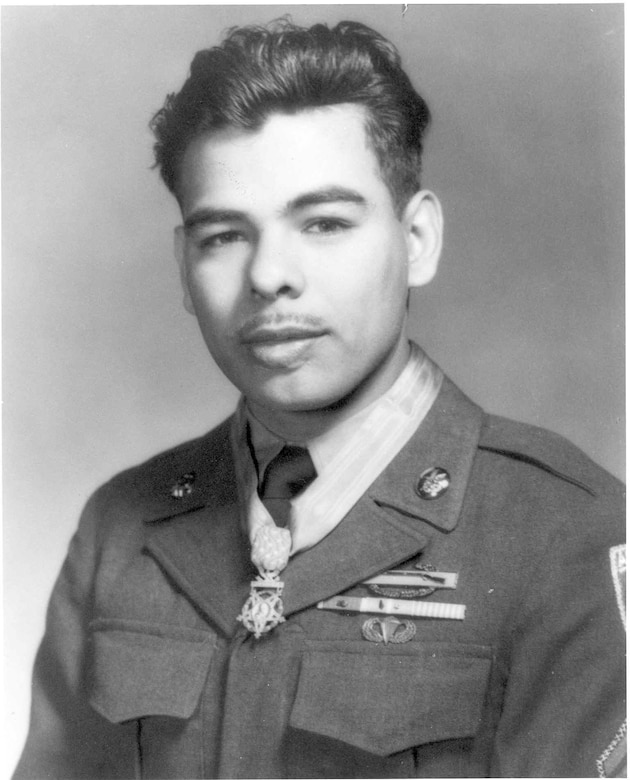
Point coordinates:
[(205, 452), (171, 482), (554, 508), (548, 463)]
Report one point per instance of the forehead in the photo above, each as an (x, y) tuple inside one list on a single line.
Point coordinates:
[(289, 155)]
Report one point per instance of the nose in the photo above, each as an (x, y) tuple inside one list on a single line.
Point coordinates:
[(275, 269)]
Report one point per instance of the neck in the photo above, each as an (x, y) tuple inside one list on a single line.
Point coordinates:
[(304, 425)]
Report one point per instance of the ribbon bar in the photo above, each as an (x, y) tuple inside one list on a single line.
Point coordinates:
[(430, 609)]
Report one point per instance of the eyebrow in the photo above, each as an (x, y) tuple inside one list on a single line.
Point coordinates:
[(325, 195), (210, 216)]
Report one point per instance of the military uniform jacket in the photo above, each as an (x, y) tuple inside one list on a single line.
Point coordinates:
[(145, 672)]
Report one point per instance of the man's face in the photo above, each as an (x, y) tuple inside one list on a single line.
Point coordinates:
[(294, 260)]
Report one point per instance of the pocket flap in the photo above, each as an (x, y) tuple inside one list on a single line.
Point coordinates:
[(385, 700), (143, 669)]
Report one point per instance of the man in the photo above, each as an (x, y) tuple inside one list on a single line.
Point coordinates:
[(359, 574)]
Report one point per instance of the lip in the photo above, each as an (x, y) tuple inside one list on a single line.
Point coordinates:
[(277, 335), (280, 347)]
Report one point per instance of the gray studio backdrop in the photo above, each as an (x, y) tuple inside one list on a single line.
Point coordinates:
[(102, 367)]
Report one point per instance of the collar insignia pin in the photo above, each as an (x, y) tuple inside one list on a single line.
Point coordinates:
[(184, 486), (433, 483)]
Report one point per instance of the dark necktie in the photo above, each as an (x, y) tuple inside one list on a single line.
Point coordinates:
[(290, 472)]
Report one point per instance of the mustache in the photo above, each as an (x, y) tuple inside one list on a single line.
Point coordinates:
[(277, 320)]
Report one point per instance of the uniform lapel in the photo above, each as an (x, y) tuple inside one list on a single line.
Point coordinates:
[(448, 440), (368, 540), (392, 522), (198, 540)]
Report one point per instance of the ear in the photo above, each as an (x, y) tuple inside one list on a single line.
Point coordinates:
[(179, 248), (423, 224)]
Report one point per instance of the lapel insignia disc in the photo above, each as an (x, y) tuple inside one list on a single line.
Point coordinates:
[(263, 609), (389, 629), (184, 486), (433, 483)]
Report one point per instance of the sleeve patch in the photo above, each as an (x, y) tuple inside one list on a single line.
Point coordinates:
[(612, 762), (618, 571)]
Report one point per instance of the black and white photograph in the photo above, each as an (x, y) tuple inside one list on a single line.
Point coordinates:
[(313, 391)]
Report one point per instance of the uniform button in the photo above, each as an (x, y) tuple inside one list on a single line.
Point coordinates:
[(433, 483)]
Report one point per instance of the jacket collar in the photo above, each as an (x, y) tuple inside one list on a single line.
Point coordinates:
[(446, 439), (199, 541), (188, 478)]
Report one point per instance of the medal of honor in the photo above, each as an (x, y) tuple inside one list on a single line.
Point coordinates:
[(263, 609)]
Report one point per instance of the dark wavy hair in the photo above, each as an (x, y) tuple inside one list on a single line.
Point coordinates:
[(283, 68)]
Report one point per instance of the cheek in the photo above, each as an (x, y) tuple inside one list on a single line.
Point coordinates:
[(214, 293), (379, 283)]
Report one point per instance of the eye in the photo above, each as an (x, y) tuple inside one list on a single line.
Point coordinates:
[(327, 226), (218, 240)]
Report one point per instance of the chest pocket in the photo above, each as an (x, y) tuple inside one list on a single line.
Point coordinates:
[(141, 669), (386, 699)]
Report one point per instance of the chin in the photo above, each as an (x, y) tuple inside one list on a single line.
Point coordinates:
[(304, 400), (296, 405)]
